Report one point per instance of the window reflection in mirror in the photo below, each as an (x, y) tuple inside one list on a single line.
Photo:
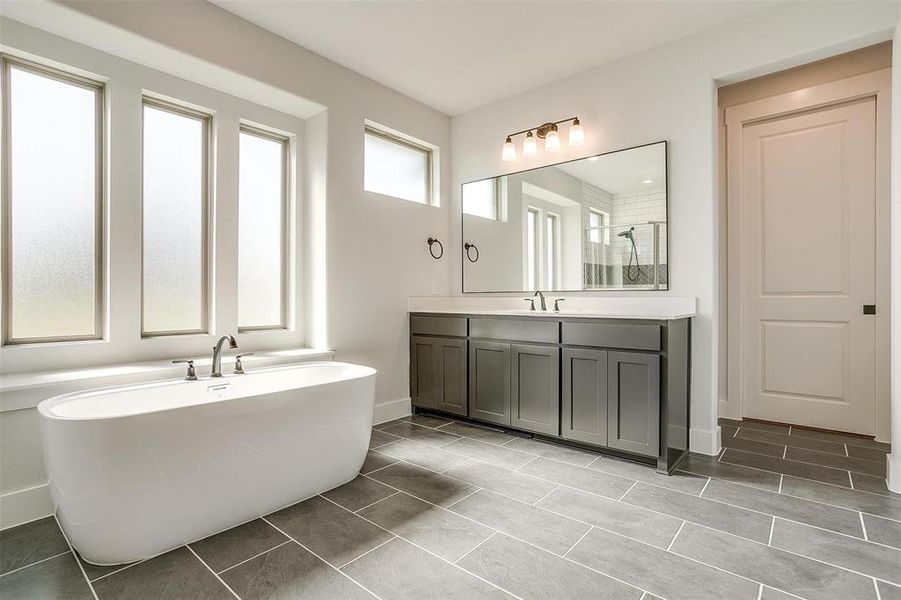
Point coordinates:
[(598, 223)]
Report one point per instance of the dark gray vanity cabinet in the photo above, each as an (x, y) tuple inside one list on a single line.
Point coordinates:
[(535, 373), (424, 371), (489, 381), (452, 394), (620, 385), (633, 402), (584, 387)]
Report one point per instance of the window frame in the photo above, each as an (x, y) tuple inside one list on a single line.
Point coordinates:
[(496, 193), (603, 235), (552, 249), (430, 196), (7, 61), (533, 254), (286, 214), (206, 118)]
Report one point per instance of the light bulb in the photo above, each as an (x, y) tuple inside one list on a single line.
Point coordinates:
[(529, 146), (552, 140), (576, 134), (509, 152)]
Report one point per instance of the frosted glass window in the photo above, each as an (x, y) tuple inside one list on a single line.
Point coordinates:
[(261, 231), (53, 233), (396, 168), (175, 166), (552, 251), (532, 249), (480, 199)]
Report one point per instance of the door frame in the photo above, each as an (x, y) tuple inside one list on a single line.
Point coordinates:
[(875, 84)]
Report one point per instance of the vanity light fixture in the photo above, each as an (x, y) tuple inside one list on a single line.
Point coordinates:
[(547, 132)]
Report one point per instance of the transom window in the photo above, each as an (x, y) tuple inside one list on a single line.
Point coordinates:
[(396, 166), (480, 199)]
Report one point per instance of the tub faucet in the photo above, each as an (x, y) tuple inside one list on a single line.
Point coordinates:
[(217, 354)]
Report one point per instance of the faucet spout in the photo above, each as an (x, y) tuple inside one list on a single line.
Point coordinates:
[(541, 297), (217, 353)]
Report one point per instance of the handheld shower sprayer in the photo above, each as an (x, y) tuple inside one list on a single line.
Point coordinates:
[(633, 254)]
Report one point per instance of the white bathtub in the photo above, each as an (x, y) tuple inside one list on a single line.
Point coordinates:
[(135, 471)]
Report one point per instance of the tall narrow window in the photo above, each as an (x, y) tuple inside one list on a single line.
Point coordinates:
[(552, 250), (176, 149), (397, 167), (532, 249), (52, 191), (262, 230)]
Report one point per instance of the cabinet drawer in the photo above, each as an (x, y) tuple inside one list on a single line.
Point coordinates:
[(612, 335), (446, 326), (514, 330)]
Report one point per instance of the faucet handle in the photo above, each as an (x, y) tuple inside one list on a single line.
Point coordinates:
[(191, 375), (532, 300), (557, 305), (239, 366)]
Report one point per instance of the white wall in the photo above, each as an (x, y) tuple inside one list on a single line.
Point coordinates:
[(669, 93), (365, 253)]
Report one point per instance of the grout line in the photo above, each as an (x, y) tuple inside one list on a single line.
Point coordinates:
[(75, 556), (598, 458), (322, 559), (546, 495), (760, 592), (769, 541), (473, 549), (455, 502), (249, 559), (620, 499), (784, 452), (673, 541), (391, 539), (737, 429), (37, 562), (576, 543), (863, 527), (846, 449), (380, 468), (215, 574), (376, 502), (841, 487), (850, 479), (781, 479), (789, 430), (524, 465), (430, 552), (703, 489), (876, 585)]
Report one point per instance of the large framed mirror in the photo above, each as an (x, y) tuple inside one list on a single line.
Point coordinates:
[(596, 223)]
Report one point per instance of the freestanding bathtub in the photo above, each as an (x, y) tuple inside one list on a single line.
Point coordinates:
[(138, 470)]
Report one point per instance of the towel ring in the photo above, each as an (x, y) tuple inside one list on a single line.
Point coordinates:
[(469, 246), (440, 245)]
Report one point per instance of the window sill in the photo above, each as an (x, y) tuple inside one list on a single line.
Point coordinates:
[(26, 390)]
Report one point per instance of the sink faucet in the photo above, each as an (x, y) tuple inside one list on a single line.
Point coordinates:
[(541, 297), (217, 354)]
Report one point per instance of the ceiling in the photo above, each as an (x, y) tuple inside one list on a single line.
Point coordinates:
[(456, 55), (624, 172)]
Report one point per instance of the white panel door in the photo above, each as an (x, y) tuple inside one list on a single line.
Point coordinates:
[(808, 251)]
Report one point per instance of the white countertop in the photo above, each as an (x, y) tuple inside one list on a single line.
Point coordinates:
[(659, 308)]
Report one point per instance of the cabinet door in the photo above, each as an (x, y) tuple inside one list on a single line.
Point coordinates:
[(584, 415), (535, 400), (424, 371), (633, 402), (452, 376), (489, 381)]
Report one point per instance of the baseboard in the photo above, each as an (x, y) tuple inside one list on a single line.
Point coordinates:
[(25, 505), (388, 411), (892, 474), (705, 442)]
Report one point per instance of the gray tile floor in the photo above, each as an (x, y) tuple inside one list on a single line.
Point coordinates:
[(448, 510)]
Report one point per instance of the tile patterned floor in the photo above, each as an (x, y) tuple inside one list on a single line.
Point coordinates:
[(448, 510)]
